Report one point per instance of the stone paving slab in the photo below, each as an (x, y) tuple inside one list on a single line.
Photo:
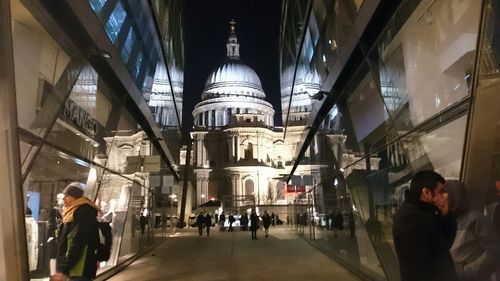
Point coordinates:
[(186, 256)]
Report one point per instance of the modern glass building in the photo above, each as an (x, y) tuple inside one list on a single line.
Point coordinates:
[(405, 86), (91, 92)]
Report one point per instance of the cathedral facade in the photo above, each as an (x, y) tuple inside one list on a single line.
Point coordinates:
[(239, 156)]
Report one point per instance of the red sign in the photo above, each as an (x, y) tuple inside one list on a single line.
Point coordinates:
[(300, 188), (295, 188)]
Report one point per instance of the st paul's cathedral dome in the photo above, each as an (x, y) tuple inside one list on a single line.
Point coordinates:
[(232, 89)]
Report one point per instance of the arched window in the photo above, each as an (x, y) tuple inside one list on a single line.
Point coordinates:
[(270, 192), (212, 189), (280, 190), (249, 151), (249, 187)]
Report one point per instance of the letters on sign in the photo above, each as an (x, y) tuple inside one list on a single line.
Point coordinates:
[(79, 117)]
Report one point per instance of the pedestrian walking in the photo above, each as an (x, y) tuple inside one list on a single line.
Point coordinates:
[(244, 222), (200, 222), (78, 239), (424, 231), (222, 220), (352, 225), (231, 221), (208, 223), (266, 222), (254, 224)]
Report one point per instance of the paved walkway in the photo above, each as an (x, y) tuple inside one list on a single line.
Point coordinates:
[(186, 256)]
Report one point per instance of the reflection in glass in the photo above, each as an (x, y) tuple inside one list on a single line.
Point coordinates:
[(127, 46), (115, 22), (439, 149), (51, 172), (426, 66), (97, 5)]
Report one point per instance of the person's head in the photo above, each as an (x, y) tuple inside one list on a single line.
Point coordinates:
[(72, 192), (457, 193), (426, 185)]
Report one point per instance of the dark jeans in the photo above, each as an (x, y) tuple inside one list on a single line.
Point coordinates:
[(208, 230), (200, 229)]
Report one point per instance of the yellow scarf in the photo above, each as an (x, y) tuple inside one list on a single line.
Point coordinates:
[(68, 211)]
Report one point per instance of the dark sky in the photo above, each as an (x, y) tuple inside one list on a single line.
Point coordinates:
[(206, 27)]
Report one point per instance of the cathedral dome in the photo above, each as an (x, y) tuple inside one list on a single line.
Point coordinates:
[(233, 78), (233, 93)]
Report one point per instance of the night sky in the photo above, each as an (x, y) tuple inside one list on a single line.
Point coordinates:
[(206, 29)]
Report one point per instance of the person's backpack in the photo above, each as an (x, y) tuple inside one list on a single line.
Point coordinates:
[(104, 248)]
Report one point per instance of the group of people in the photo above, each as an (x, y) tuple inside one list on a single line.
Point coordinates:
[(438, 236), (222, 221), (204, 221)]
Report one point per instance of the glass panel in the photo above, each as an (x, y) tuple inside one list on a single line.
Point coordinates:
[(51, 172), (127, 47), (97, 5), (439, 149), (291, 35), (85, 120), (39, 63), (426, 66), (115, 22), (482, 172), (113, 197)]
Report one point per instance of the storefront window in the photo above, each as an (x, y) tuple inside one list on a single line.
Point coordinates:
[(51, 172)]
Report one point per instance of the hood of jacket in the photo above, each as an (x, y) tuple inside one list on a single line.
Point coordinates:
[(457, 196)]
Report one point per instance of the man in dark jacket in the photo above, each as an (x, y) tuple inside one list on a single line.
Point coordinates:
[(424, 231), (78, 237), (200, 222)]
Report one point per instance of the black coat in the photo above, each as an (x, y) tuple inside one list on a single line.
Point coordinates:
[(78, 239), (266, 221), (423, 239)]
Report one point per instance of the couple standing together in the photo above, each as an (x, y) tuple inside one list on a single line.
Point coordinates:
[(437, 236)]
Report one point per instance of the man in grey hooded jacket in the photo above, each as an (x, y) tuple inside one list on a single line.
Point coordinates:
[(475, 250)]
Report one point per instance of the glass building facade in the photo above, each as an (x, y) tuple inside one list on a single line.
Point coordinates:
[(399, 86), (92, 93)]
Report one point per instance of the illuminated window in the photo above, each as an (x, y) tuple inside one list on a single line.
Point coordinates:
[(97, 5), (115, 22)]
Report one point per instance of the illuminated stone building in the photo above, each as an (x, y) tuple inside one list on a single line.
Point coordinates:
[(237, 150)]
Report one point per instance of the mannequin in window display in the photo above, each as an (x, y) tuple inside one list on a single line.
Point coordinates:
[(32, 239), (110, 214)]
